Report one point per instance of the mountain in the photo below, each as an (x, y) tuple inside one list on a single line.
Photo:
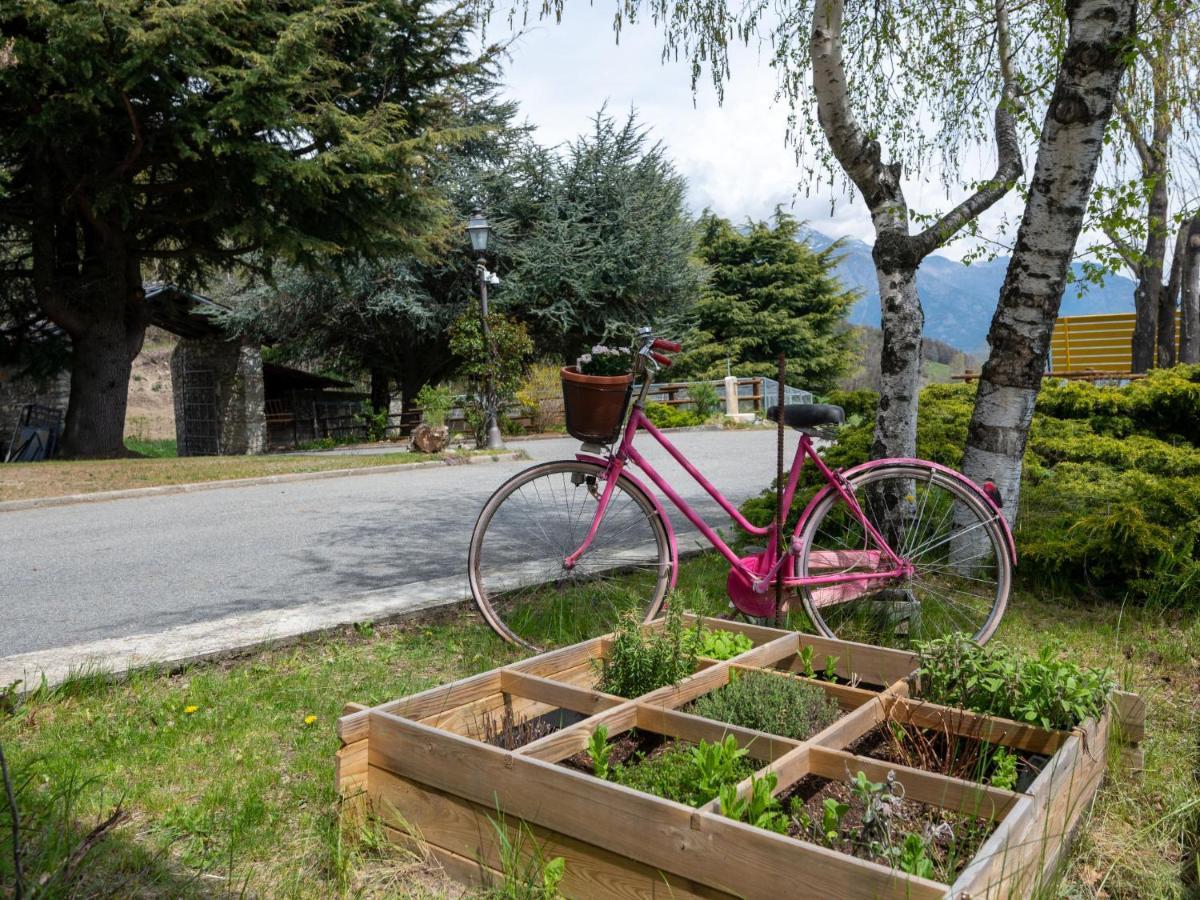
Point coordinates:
[(959, 299)]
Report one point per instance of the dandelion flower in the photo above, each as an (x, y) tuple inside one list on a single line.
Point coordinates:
[(309, 719), (188, 710)]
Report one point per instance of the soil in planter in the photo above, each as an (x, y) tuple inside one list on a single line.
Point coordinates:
[(949, 754), (657, 765), (951, 839), (509, 732), (774, 704)]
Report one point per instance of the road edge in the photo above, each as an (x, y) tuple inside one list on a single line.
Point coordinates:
[(191, 487)]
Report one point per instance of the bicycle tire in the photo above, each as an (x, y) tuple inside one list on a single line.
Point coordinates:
[(579, 483), (995, 556)]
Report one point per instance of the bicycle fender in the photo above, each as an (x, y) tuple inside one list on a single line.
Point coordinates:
[(945, 470), (658, 509)]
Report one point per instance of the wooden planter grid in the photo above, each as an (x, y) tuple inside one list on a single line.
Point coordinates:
[(420, 765)]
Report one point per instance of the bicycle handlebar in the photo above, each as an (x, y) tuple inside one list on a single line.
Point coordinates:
[(659, 358), (663, 344)]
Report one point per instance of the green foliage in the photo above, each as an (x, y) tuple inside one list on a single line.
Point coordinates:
[(597, 238), (666, 416), (769, 703), (527, 875), (159, 449), (495, 369), (599, 751), (833, 811), (1045, 690), (761, 809), (1004, 769), (434, 403), (375, 422), (693, 775), (719, 644), (830, 672), (913, 857), (643, 660), (706, 402), (767, 293), (806, 661)]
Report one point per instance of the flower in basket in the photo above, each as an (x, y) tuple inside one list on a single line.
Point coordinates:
[(605, 361)]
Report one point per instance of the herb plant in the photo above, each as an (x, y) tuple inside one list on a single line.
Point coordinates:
[(761, 809), (830, 672), (1046, 690), (642, 661), (1004, 769), (806, 664), (687, 775), (599, 751), (716, 764), (775, 704), (913, 858), (719, 644)]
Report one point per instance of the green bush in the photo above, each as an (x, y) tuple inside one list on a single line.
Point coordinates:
[(666, 416), (706, 401), (434, 403), (773, 704)]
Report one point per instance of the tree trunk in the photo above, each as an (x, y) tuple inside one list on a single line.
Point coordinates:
[(381, 395), (1189, 295), (899, 363), (101, 361), (897, 253), (1068, 154), (1168, 302)]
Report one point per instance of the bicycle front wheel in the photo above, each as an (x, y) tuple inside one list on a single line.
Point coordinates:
[(517, 561), (951, 536)]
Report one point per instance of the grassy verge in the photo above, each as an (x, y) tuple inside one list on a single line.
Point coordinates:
[(225, 770), (24, 481)]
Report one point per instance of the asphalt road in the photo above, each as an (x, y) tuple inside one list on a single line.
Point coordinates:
[(98, 571)]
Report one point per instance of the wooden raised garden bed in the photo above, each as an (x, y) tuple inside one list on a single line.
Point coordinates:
[(432, 768)]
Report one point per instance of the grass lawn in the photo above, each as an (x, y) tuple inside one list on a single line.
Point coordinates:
[(55, 478), (227, 780)]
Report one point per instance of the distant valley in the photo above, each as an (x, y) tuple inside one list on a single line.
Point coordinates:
[(958, 299)]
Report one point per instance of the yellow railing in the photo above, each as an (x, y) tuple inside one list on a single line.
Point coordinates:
[(1098, 343)]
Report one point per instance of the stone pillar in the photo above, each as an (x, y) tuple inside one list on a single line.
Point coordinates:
[(731, 396), (219, 401)]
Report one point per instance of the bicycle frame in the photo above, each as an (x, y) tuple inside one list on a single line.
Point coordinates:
[(882, 563)]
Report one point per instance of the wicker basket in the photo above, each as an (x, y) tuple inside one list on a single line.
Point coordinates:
[(595, 404)]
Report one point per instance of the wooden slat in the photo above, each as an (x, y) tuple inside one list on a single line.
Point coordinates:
[(573, 739), (546, 664), (444, 823), (694, 729), (873, 665), (1021, 856), (1130, 710), (350, 769), (969, 724), (354, 726), (955, 794), (557, 694), (710, 849)]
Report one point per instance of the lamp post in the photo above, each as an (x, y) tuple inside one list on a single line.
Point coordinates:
[(479, 230)]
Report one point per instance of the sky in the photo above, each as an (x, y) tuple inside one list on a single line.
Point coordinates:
[(732, 153)]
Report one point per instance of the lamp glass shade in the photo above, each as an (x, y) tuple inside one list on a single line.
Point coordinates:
[(479, 230)]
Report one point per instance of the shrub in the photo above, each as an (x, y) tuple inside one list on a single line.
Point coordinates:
[(434, 402), (666, 416), (774, 704), (642, 661), (719, 644), (692, 775), (706, 402)]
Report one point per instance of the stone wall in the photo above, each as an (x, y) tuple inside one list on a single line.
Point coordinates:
[(16, 392), (218, 392)]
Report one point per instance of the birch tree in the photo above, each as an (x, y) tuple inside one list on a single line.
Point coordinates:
[(897, 251), (1069, 150)]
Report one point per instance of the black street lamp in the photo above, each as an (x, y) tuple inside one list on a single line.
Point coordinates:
[(480, 231)]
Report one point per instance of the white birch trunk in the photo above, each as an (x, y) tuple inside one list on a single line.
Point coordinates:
[(1189, 295), (1068, 153)]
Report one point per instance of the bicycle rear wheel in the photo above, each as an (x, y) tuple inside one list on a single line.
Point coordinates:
[(526, 531), (952, 536)]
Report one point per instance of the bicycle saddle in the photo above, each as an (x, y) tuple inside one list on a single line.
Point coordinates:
[(808, 415)]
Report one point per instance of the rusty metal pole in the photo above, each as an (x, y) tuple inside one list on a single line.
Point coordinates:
[(780, 512)]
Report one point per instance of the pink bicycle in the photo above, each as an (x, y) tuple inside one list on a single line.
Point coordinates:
[(888, 552)]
